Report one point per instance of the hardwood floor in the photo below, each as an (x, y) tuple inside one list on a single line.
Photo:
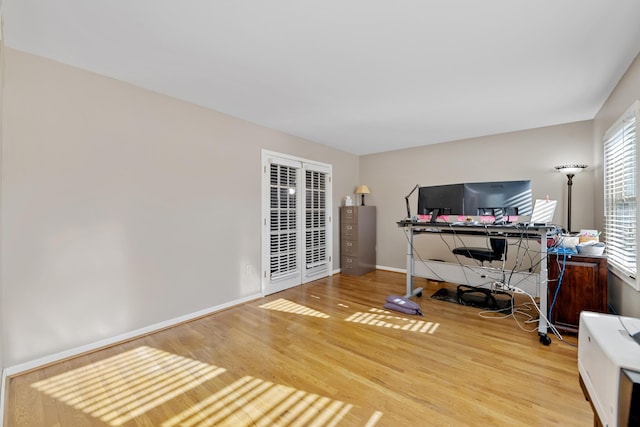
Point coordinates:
[(321, 354)]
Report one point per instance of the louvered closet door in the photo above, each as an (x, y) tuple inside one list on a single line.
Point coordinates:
[(316, 223), (284, 226), (297, 239)]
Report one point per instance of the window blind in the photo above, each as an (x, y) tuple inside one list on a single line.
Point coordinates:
[(620, 194)]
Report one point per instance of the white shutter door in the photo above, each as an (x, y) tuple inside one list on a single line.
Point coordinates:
[(283, 226), (296, 204), (317, 225)]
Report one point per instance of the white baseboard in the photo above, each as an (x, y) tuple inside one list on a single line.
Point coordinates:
[(56, 357), (393, 269)]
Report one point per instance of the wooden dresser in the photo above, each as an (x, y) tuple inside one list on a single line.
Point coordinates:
[(357, 239), (583, 287)]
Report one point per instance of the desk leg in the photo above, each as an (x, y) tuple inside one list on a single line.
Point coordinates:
[(544, 286), (410, 266)]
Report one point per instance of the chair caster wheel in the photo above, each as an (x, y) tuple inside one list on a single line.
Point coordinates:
[(545, 340), (419, 294)]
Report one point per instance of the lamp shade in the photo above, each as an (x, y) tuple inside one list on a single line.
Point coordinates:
[(571, 169), (362, 189)]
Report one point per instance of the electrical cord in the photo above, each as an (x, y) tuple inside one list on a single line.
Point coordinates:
[(520, 310), (559, 285), (465, 268), (524, 251), (417, 254)]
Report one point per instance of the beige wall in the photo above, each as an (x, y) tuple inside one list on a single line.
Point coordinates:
[(622, 297), (124, 208), (530, 154)]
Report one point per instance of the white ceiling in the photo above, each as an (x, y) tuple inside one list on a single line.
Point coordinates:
[(364, 76)]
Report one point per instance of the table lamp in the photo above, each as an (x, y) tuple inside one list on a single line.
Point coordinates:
[(362, 189), (570, 171)]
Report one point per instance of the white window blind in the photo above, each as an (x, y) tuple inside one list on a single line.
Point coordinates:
[(620, 195)]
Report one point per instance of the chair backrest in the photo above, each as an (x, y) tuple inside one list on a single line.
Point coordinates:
[(499, 246)]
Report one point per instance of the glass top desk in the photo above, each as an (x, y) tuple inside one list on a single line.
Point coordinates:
[(534, 283)]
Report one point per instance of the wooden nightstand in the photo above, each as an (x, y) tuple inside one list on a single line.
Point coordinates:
[(583, 287)]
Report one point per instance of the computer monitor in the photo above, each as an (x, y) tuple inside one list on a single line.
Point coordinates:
[(500, 199), (438, 200)]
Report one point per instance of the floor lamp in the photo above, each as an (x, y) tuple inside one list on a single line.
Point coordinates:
[(570, 171)]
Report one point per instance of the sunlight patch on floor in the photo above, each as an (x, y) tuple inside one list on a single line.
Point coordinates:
[(251, 401), (120, 388), (374, 419), (386, 319), (292, 307)]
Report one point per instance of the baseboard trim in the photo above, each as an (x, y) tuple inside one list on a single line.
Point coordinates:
[(118, 339), (395, 270)]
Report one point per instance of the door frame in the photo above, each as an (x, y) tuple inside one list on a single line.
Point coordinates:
[(303, 165)]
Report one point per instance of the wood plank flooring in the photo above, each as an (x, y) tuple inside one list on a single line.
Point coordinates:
[(321, 354)]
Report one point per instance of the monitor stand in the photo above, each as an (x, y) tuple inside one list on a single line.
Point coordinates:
[(434, 215)]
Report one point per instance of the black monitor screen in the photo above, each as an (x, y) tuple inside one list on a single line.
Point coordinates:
[(501, 198), (447, 199)]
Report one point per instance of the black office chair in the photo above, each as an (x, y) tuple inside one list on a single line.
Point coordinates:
[(496, 250)]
